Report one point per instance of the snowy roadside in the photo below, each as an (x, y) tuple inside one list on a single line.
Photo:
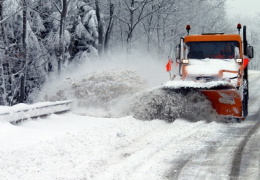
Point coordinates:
[(78, 147), (20, 112)]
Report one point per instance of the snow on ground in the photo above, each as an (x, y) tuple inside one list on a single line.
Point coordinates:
[(70, 146)]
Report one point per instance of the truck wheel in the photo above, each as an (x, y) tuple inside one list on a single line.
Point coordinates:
[(245, 94)]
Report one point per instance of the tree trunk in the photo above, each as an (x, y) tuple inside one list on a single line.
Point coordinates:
[(158, 30), (130, 25), (2, 24), (148, 31), (61, 34), (109, 28), (3, 97), (100, 29), (121, 27), (25, 54)]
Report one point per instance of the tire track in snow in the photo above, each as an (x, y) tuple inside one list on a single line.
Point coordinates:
[(144, 148), (215, 154), (255, 116), (236, 164), (218, 159), (225, 158), (175, 172)]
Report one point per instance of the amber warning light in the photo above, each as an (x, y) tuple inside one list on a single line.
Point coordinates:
[(239, 27), (188, 29), (169, 65)]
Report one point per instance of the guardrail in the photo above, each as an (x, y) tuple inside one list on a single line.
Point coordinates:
[(20, 112)]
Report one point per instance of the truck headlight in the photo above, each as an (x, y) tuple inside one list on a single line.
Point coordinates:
[(239, 60), (185, 61)]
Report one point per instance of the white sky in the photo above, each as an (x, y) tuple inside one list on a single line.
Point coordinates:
[(243, 7)]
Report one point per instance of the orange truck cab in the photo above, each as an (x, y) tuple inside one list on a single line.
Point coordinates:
[(218, 57)]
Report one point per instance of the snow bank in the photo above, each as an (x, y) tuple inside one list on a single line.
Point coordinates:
[(22, 111)]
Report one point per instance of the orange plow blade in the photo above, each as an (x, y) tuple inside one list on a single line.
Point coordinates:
[(225, 98), (227, 102)]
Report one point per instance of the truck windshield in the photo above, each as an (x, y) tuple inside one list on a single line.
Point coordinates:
[(212, 49)]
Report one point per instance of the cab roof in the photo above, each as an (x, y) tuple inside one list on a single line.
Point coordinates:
[(213, 37)]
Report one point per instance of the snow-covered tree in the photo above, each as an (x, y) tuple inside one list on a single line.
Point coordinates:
[(42, 37), (156, 24), (31, 40)]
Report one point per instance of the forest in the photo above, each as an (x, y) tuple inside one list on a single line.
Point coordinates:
[(40, 38)]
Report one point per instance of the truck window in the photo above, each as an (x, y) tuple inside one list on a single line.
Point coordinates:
[(212, 49)]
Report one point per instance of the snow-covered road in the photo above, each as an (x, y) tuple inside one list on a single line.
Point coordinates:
[(71, 146)]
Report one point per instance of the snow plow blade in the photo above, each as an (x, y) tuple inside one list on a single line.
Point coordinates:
[(227, 102), (224, 97)]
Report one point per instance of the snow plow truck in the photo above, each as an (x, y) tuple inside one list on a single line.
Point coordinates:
[(215, 64)]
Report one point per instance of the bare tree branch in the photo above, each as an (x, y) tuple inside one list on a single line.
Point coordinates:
[(57, 7), (19, 10)]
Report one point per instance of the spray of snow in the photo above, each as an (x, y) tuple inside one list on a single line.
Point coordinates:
[(169, 105), (122, 85), (99, 94), (103, 87)]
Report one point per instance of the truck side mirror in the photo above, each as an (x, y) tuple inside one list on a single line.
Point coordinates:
[(250, 51)]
